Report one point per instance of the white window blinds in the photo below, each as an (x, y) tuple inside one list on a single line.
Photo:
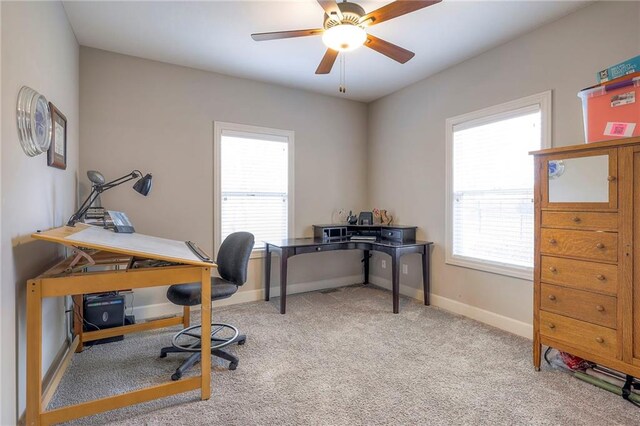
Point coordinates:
[(254, 172), (492, 200)]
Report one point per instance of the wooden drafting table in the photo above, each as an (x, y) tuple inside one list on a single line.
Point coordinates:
[(94, 246)]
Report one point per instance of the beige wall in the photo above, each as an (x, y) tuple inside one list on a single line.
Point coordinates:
[(38, 50), (156, 117), (406, 143)]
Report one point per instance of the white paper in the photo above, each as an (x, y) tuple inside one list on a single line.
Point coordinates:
[(59, 140)]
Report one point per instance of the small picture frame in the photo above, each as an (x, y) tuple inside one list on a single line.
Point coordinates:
[(57, 153)]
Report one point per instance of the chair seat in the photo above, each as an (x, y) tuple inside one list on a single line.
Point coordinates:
[(189, 294)]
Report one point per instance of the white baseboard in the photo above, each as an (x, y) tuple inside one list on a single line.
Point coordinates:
[(145, 312), (491, 318)]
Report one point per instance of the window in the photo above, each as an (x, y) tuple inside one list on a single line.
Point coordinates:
[(490, 185), (253, 182)]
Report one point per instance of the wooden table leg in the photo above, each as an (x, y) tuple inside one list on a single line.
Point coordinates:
[(284, 255), (205, 346), (267, 273), (186, 316), (78, 316), (426, 280), (395, 280), (34, 352), (366, 266)]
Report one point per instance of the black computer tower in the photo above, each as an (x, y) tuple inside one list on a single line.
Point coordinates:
[(103, 310)]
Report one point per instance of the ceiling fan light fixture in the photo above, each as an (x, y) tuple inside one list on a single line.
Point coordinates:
[(344, 37)]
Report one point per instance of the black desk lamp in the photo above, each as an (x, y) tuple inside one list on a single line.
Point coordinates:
[(142, 186)]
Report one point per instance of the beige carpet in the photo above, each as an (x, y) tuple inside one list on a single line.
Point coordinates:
[(342, 358)]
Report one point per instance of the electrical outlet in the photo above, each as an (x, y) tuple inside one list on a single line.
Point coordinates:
[(384, 264), (405, 268)]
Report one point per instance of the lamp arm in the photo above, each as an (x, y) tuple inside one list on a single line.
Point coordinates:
[(84, 207), (119, 181)]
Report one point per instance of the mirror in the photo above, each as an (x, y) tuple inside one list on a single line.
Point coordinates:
[(579, 180)]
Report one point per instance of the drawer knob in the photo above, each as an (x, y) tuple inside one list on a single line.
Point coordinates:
[(599, 308), (552, 241), (599, 340), (611, 178), (552, 325), (576, 219), (553, 269), (600, 245), (552, 297), (600, 277)]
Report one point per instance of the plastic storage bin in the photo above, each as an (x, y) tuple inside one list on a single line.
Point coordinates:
[(611, 111)]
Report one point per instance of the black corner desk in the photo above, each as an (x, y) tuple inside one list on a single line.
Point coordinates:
[(394, 240)]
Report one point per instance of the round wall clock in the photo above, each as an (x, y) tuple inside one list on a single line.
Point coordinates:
[(34, 122)]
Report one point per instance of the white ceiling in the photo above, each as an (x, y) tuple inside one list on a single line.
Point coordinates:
[(215, 36)]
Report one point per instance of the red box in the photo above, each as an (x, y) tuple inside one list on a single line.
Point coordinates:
[(611, 111)]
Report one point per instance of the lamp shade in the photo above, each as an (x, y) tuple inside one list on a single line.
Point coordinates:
[(143, 185), (95, 177)]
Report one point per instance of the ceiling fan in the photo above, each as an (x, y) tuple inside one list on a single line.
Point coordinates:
[(345, 26)]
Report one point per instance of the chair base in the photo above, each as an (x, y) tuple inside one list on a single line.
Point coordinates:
[(194, 358)]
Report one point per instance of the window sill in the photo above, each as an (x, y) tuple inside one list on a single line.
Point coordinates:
[(522, 273)]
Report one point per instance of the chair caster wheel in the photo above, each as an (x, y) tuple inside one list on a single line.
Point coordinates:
[(233, 366), (242, 342), (176, 376)]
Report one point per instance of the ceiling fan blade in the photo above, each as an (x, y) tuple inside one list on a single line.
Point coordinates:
[(327, 62), (394, 52), (286, 34), (331, 7), (395, 9)]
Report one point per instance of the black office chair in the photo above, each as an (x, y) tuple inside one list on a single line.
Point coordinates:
[(233, 259)]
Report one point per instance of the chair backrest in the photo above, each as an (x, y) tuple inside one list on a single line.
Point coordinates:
[(233, 257)]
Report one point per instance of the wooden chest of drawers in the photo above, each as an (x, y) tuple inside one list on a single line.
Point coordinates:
[(587, 221)]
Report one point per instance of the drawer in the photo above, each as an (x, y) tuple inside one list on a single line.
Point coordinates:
[(580, 220), (401, 235), (593, 338), (580, 274), (583, 305), (585, 244), (319, 248), (392, 234)]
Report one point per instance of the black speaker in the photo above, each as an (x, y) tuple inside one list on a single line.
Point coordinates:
[(105, 310)]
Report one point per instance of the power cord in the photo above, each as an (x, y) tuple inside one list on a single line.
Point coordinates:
[(81, 318), (546, 355)]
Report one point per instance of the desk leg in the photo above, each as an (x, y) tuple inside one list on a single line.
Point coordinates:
[(395, 280), (78, 317), (205, 346), (366, 266), (426, 281), (34, 353), (267, 273), (284, 255), (186, 316)]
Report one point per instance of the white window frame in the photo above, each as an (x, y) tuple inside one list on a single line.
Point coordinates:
[(252, 132), (491, 114)]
